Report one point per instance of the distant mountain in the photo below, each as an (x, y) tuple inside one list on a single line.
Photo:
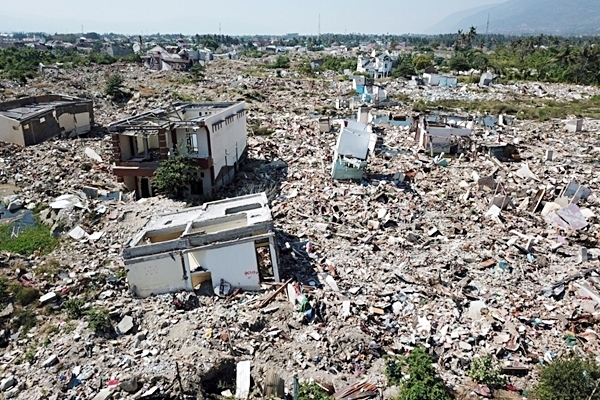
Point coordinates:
[(523, 17)]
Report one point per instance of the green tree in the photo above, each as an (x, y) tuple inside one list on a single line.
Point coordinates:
[(174, 176), (114, 86), (569, 378), (422, 61), (405, 68)]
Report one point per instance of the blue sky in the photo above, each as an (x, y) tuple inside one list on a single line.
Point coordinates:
[(237, 17)]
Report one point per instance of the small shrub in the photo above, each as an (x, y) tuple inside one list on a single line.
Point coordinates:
[(312, 391), (569, 378), (74, 307), (183, 97), (99, 320), (420, 381), (484, 370), (30, 355), (24, 295)]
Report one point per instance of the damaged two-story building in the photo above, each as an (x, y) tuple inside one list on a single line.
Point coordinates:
[(442, 134), (213, 134), (223, 245), (32, 120)]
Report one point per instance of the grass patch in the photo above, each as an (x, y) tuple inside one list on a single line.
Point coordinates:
[(312, 391), (24, 295), (24, 318), (3, 291), (28, 240), (532, 109), (50, 267), (184, 97), (121, 273)]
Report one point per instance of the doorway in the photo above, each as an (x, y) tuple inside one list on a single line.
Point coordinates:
[(145, 187)]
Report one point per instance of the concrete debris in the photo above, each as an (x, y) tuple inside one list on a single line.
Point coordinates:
[(48, 297), (126, 325), (476, 252), (7, 383)]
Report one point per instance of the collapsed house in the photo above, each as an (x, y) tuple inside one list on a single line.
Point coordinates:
[(487, 78), (172, 58), (435, 79), (213, 134), (223, 245), (366, 92), (355, 143), (440, 134), (33, 120)]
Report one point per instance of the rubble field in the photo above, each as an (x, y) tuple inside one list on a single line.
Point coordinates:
[(469, 256)]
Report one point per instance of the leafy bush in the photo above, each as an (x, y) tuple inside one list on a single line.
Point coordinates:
[(114, 86), (485, 370), (416, 377), (569, 378), (99, 320), (312, 391), (101, 59), (121, 273), (280, 62), (174, 176), (28, 240), (196, 72), (393, 370), (74, 307)]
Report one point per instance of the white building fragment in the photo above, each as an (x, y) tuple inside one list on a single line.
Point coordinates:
[(228, 243), (443, 135), (354, 144), (435, 79), (574, 125)]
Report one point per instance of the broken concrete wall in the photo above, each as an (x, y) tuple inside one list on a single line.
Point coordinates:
[(40, 128), (163, 273), (11, 131), (235, 263)]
